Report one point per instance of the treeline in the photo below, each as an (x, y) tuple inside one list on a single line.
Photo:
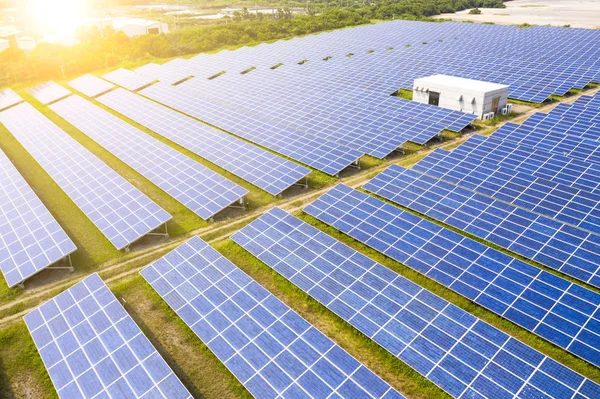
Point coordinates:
[(106, 49)]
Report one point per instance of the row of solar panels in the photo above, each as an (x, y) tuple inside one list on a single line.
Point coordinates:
[(32, 239), (119, 210), (90, 345), (535, 63)]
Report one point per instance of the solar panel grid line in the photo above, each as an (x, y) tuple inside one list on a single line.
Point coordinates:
[(250, 241), (128, 79), (546, 241), (259, 167), (119, 210), (197, 257), (480, 276), (199, 188), (90, 346)]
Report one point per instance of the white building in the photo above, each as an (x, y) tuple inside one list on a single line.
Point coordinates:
[(460, 94), (133, 26)]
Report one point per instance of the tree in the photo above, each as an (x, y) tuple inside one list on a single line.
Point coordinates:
[(475, 11)]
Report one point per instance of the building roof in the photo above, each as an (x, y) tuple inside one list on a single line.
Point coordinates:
[(463, 83)]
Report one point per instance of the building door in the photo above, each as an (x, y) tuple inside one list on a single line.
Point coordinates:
[(434, 98), (495, 103)]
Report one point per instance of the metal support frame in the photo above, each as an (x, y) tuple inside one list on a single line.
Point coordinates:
[(241, 206), (165, 234), (70, 268), (305, 184)]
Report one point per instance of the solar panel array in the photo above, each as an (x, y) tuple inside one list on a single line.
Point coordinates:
[(128, 79), (547, 305), (534, 62), (199, 188), (92, 348), (8, 98), (570, 172), (49, 92), (269, 348), (460, 353), (554, 244), (91, 85), (372, 123), (119, 210), (164, 74), (253, 164), (323, 155), (30, 238), (568, 205)]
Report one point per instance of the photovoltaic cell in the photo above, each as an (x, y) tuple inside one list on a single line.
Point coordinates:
[(119, 210), (255, 165), (572, 251), (91, 85), (49, 92), (92, 348), (30, 238), (270, 349), (128, 79), (463, 355), (8, 98), (199, 188)]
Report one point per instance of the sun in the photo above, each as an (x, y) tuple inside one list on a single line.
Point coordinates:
[(57, 17)]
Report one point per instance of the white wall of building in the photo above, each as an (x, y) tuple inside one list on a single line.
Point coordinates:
[(459, 94)]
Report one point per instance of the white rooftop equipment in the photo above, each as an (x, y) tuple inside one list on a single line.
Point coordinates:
[(483, 99)]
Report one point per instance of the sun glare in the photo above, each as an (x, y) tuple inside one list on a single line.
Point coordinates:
[(58, 18)]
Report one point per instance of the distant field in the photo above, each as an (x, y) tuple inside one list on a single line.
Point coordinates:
[(578, 14)]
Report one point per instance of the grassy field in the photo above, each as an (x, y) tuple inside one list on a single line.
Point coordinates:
[(22, 373)]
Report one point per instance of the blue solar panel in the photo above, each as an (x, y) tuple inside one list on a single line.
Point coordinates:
[(270, 349), (554, 244), (569, 205), (460, 353), (317, 153), (119, 210), (92, 348), (567, 171), (567, 145), (199, 188), (253, 164), (30, 238)]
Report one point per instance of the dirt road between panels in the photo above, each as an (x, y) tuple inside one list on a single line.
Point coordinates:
[(113, 272)]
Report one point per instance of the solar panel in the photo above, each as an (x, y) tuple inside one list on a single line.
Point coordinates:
[(8, 98), (199, 188), (549, 242), (563, 170), (91, 85), (128, 79), (253, 164), (164, 73), (119, 210), (566, 145), (92, 348), (317, 153), (547, 305), (30, 238), (569, 205), (269, 348), (458, 352), (49, 92)]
